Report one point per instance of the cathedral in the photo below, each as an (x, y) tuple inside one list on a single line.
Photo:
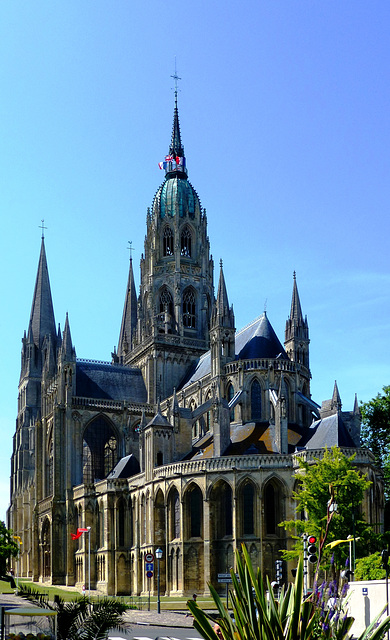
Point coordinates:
[(187, 439)]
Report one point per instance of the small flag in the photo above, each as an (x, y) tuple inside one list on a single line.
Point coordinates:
[(76, 536)]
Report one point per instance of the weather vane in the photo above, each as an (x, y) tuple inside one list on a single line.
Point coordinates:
[(130, 248), (42, 226)]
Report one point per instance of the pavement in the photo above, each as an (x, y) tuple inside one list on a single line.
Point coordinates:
[(164, 619), (133, 617)]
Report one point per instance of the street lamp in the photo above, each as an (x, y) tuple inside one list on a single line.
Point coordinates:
[(159, 554)]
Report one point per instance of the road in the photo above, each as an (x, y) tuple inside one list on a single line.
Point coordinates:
[(146, 632)]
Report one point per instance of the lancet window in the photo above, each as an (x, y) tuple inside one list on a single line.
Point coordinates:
[(186, 243), (189, 304), (168, 241)]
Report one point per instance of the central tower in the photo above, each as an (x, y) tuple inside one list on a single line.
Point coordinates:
[(170, 329)]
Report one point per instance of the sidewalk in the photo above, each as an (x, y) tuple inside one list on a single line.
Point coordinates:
[(133, 617), (163, 619)]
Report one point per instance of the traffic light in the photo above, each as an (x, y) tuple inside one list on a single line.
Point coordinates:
[(312, 550), (385, 559)]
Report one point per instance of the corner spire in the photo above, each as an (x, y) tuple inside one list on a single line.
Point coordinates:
[(129, 317), (42, 315), (223, 314), (336, 399), (296, 309)]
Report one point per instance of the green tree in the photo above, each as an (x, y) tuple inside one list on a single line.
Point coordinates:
[(8, 547), (332, 477), (376, 432), (370, 568)]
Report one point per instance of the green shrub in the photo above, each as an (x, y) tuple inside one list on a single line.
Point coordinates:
[(370, 568)]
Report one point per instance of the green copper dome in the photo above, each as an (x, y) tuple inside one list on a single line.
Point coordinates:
[(176, 197)]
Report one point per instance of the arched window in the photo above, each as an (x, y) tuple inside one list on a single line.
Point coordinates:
[(186, 243), (248, 495), (166, 301), (189, 317), (174, 515), (168, 241), (222, 510), (256, 401), (50, 469), (196, 511), (230, 395), (272, 508), (100, 450)]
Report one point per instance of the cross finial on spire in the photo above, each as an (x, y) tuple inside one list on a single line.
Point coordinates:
[(295, 275), (220, 263), (130, 248), (42, 226), (176, 78)]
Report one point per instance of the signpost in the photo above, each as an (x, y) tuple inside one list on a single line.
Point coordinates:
[(149, 568)]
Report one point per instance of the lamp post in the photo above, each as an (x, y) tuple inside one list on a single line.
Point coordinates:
[(159, 554), (89, 561)]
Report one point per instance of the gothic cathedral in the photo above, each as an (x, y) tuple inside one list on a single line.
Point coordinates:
[(187, 439)]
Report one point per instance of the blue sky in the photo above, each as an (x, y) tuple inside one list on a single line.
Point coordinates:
[(284, 112)]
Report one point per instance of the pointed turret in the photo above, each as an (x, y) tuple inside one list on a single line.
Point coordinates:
[(129, 318), (222, 314), (222, 331), (336, 399), (297, 331), (42, 315), (67, 350)]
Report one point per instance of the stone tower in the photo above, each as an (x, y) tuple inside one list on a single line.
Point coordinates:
[(297, 331), (170, 328)]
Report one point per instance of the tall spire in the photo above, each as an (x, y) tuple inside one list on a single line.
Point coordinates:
[(222, 302), (42, 321), (296, 335), (129, 318), (296, 310)]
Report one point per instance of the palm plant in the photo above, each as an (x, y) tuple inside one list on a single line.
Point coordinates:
[(260, 615), (81, 619)]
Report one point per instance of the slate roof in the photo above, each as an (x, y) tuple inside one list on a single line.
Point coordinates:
[(104, 381), (256, 340), (259, 340), (328, 432), (125, 468)]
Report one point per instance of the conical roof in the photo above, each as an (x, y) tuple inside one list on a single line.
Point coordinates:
[(259, 340)]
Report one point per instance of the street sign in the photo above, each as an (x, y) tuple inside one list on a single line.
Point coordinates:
[(149, 557), (149, 574), (149, 566), (225, 578), (365, 591)]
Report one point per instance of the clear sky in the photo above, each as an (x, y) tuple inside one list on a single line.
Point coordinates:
[(284, 112)]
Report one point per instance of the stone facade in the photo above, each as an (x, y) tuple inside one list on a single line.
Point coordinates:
[(187, 439)]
